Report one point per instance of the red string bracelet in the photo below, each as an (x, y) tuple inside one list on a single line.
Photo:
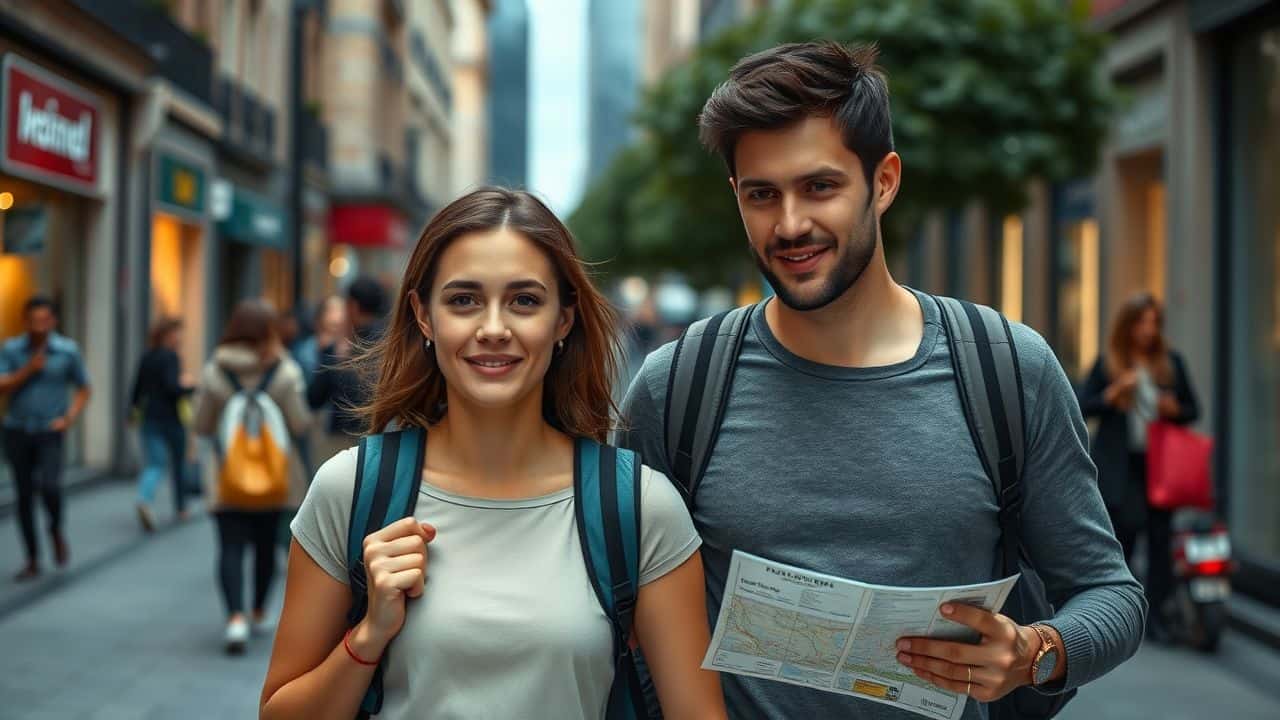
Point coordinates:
[(346, 643)]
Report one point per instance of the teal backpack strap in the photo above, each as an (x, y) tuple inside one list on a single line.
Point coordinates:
[(388, 472), (606, 484)]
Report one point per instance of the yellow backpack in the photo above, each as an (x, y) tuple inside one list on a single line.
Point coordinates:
[(253, 447)]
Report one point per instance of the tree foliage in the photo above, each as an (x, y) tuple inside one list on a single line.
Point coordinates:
[(987, 94)]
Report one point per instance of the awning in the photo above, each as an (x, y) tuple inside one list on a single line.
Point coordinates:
[(248, 217), (377, 226)]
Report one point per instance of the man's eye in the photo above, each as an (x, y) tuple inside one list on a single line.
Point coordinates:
[(822, 186), (759, 195)]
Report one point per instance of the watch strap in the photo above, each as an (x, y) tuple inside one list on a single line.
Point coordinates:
[(1047, 646)]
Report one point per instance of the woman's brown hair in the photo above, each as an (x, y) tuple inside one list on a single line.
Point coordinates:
[(252, 322), (1121, 355), (161, 330), (577, 392)]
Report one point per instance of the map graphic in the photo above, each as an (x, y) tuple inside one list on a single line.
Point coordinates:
[(755, 628), (833, 634)]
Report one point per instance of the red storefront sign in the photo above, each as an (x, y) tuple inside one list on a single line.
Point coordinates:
[(367, 226), (50, 128)]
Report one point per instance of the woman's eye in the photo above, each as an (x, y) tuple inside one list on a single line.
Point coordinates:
[(461, 300), (527, 301)]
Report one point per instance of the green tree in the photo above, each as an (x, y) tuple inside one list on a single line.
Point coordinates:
[(987, 95)]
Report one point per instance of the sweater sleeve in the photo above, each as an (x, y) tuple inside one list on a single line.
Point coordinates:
[(1066, 531), (1188, 403)]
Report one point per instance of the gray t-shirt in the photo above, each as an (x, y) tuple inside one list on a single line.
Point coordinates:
[(509, 625), (871, 473)]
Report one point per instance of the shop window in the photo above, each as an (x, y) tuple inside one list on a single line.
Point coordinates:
[(1078, 296), (1254, 314)]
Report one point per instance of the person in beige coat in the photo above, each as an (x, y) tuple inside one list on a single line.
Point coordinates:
[(250, 346)]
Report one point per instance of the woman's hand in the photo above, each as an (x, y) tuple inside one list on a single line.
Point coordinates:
[(395, 563), (1167, 406), (1119, 394)]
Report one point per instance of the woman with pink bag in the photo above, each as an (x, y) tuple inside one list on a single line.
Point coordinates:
[(1139, 381)]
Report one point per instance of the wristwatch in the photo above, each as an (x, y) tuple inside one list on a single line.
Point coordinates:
[(1047, 658)]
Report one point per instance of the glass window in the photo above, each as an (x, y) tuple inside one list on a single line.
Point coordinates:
[(1254, 441), (1011, 268)]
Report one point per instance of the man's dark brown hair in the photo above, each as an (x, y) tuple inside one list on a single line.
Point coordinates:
[(789, 83)]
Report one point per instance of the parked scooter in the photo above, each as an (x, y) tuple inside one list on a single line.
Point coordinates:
[(1202, 568)]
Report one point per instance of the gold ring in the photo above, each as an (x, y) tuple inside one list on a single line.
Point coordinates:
[(969, 685)]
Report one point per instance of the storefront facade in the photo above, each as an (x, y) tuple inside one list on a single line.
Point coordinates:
[(61, 213), (1247, 54), (181, 246)]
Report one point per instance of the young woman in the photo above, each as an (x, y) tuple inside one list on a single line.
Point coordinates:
[(1138, 381), (157, 392), (250, 347), (501, 348)]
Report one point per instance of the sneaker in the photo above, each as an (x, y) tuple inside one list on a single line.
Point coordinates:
[(237, 636), (30, 571), (262, 627), (61, 553), (146, 518)]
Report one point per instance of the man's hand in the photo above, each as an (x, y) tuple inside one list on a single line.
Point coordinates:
[(60, 424), (999, 664), (37, 362)]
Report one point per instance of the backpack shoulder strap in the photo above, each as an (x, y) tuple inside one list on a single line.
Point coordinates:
[(697, 392), (267, 376), (606, 483), (232, 380), (388, 472), (989, 380)]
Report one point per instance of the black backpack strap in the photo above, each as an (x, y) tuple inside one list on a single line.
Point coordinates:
[(698, 391), (232, 380), (267, 376), (606, 483), (388, 472), (985, 361)]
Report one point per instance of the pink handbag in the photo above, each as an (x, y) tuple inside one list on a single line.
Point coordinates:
[(1179, 467)]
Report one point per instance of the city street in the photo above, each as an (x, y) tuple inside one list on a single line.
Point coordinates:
[(132, 630)]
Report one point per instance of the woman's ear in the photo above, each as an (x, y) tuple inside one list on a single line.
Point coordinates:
[(568, 314), (420, 315)]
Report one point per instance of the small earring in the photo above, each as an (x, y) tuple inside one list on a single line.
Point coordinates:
[(426, 343), (560, 345)]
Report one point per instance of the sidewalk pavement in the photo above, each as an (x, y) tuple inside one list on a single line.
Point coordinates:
[(101, 526)]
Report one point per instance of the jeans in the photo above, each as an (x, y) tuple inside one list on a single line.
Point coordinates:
[(37, 467), (164, 447), (237, 530)]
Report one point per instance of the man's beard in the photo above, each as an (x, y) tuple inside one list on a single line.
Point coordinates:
[(852, 261)]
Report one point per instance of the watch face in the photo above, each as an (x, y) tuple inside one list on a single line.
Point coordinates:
[(1048, 663)]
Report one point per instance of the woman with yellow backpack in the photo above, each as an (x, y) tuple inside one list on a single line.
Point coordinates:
[(250, 403)]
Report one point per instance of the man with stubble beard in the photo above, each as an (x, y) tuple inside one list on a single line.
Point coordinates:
[(844, 447)]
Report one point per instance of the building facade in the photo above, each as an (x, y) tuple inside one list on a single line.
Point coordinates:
[(613, 80), (509, 93), (70, 172), (471, 70)]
